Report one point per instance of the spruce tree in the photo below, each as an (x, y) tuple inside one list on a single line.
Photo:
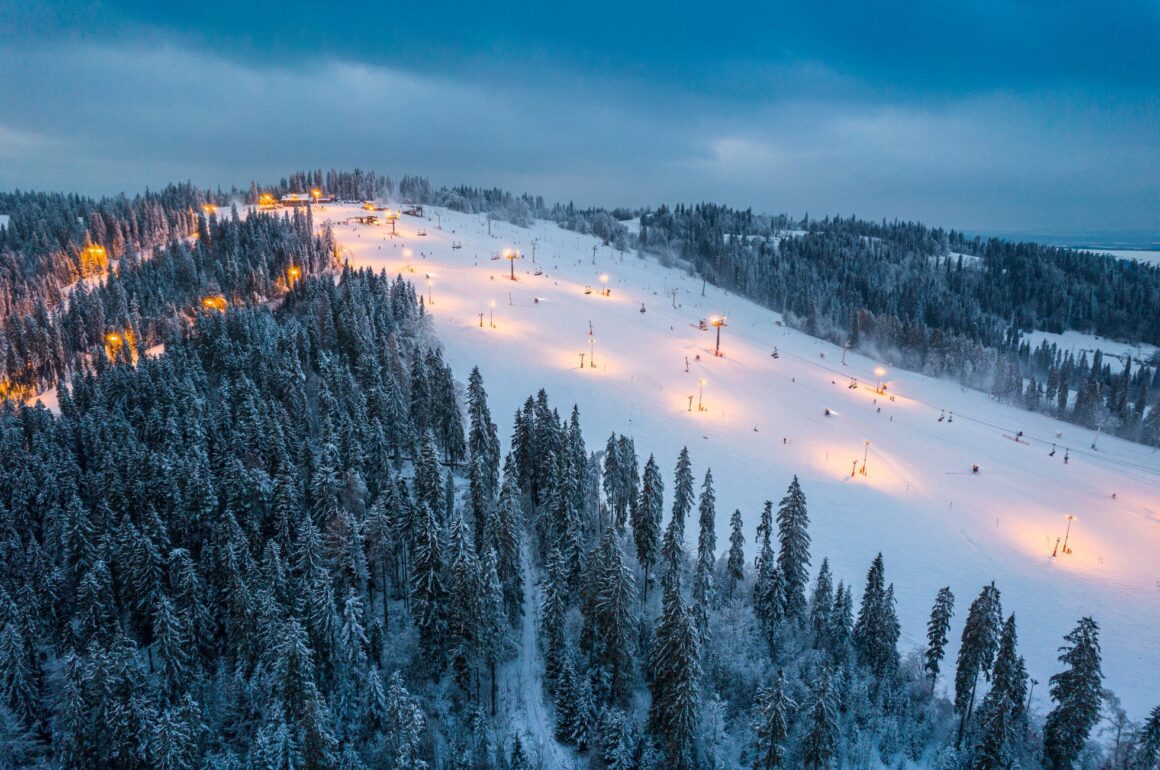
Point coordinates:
[(793, 558), (1149, 740), (706, 557), (676, 672), (819, 743), (646, 520), (772, 725), (876, 630), (822, 605), (735, 567), (682, 494), (936, 633), (980, 642), (1000, 714), (1077, 693), (427, 592), (768, 591)]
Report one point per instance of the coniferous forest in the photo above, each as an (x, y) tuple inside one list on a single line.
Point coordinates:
[(293, 539)]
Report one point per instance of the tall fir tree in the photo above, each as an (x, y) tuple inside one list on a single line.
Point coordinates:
[(735, 566), (793, 558), (936, 633), (676, 674), (1077, 693), (980, 642), (771, 725), (822, 605), (646, 521), (706, 558), (819, 742), (682, 493)]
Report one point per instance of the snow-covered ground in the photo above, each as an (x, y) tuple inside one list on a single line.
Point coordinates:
[(1078, 343), (1152, 257), (763, 421)]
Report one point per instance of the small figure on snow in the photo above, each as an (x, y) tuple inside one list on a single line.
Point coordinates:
[(827, 412), (642, 307), (1066, 456), (974, 468)]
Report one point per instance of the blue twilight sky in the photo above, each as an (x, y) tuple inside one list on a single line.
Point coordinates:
[(998, 116)]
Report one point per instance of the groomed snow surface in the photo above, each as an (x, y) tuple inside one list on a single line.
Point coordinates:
[(763, 421)]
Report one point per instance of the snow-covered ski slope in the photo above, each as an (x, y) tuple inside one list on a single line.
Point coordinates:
[(764, 420)]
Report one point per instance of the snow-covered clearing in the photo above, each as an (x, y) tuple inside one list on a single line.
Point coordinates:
[(1139, 255), (763, 421), (1078, 343)]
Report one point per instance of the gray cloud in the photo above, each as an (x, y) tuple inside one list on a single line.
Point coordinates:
[(109, 117)]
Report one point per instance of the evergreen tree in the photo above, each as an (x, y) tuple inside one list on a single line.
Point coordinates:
[(1149, 740), (427, 591), (820, 741), (646, 520), (822, 605), (735, 567), (706, 558), (682, 494), (793, 558), (612, 606), (464, 607), (768, 590), (772, 725), (876, 630), (936, 633), (555, 604), (676, 672), (980, 642), (405, 726), (1077, 693), (1001, 712), (504, 538)]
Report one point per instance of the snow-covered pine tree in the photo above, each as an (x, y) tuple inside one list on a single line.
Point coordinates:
[(819, 743), (428, 596), (612, 606), (405, 727), (793, 558), (1149, 741), (936, 633), (768, 590), (1000, 714), (980, 642), (676, 674), (505, 540), (482, 441), (735, 567), (821, 605), (771, 725), (465, 620), (555, 605), (1077, 693), (706, 558), (646, 520), (841, 629), (876, 631), (682, 493)]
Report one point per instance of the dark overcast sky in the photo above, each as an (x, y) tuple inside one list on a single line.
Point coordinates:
[(1037, 116)]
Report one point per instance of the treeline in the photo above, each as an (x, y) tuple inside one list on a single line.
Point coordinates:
[(292, 542), (355, 185), (141, 300), (44, 248)]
